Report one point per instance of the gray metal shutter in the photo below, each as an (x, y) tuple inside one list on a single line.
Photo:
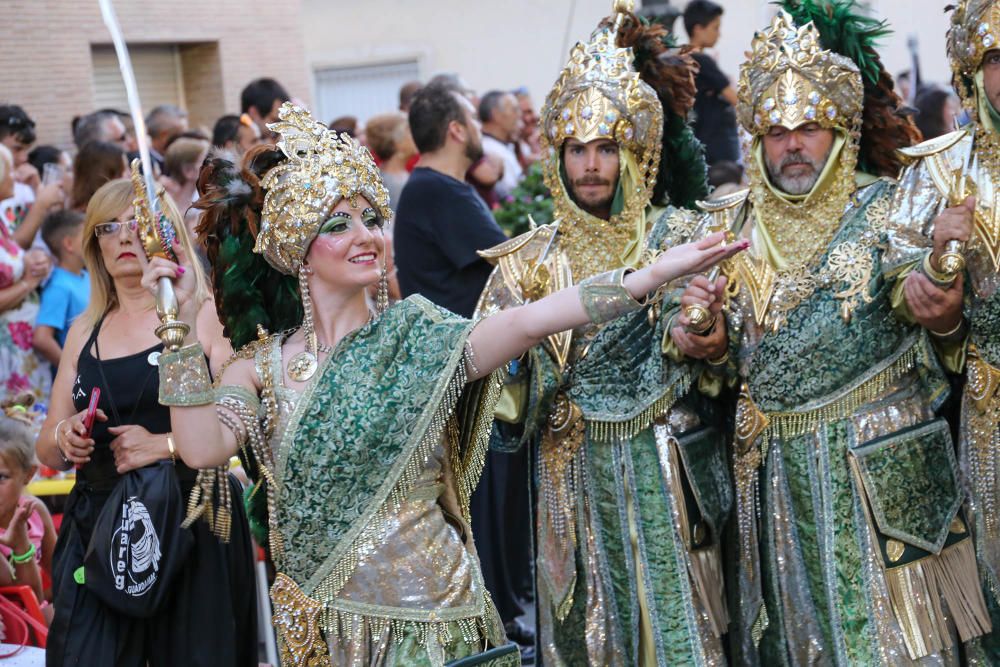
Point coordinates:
[(157, 73)]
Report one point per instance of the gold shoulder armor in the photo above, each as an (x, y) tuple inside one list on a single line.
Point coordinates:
[(933, 146), (723, 203), (540, 234)]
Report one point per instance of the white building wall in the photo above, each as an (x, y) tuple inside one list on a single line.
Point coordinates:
[(510, 43)]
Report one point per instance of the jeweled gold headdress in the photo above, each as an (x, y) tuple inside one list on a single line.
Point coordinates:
[(790, 80), (599, 95), (975, 29), (322, 167)]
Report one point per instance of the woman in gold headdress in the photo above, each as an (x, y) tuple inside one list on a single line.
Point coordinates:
[(366, 427)]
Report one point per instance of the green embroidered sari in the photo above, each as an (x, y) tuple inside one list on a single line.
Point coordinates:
[(372, 469)]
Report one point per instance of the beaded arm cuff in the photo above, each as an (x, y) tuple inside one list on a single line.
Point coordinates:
[(184, 378), (605, 298)]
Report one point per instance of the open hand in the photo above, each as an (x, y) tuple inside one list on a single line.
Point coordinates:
[(16, 535), (696, 257)]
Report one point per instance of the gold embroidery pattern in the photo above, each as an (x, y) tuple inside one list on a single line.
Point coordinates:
[(296, 618), (560, 472), (849, 265), (987, 217)]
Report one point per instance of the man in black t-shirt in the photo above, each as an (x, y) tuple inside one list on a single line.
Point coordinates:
[(440, 221), (715, 103)]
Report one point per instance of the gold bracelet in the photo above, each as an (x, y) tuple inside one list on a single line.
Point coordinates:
[(604, 296), (941, 280), (184, 378), (719, 361), (171, 449), (951, 332)]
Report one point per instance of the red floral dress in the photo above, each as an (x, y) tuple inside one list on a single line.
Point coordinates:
[(20, 368)]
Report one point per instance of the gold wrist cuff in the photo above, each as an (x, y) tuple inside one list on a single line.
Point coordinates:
[(605, 298), (719, 361), (950, 332), (942, 280), (184, 378)]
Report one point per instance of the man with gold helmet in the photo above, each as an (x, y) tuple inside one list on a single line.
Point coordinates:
[(852, 547), (632, 490), (948, 200)]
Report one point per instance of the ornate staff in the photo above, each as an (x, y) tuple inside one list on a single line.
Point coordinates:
[(156, 232), (700, 318)]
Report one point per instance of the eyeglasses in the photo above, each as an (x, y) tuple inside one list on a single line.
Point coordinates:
[(113, 228)]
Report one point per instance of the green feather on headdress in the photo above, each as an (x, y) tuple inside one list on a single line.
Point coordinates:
[(844, 29)]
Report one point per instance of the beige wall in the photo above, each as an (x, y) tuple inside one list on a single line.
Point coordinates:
[(525, 42), (45, 62), (492, 44), (924, 18)]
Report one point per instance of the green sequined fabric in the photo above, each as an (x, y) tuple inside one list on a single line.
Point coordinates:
[(911, 480), (353, 431)]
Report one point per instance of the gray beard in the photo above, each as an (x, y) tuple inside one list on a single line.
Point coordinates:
[(796, 185)]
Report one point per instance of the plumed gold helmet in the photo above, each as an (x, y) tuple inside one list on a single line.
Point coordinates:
[(790, 80), (322, 167), (600, 96), (975, 29)]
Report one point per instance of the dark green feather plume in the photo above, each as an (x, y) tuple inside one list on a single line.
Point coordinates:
[(843, 28), (682, 176)]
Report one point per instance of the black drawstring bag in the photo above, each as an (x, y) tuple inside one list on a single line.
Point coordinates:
[(138, 545)]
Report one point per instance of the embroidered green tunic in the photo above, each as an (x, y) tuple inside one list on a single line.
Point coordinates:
[(633, 492), (851, 541)]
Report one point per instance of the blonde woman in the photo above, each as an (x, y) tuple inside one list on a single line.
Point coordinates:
[(209, 620)]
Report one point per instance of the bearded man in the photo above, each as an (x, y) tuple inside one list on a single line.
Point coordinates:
[(853, 549), (632, 487)]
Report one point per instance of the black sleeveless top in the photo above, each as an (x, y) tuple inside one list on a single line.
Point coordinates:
[(130, 388)]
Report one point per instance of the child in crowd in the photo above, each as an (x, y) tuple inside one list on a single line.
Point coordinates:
[(68, 290), (27, 534)]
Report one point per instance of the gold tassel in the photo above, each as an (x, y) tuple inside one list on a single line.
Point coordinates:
[(609, 431), (917, 589)]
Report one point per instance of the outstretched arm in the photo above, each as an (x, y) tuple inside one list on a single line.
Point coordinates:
[(508, 334)]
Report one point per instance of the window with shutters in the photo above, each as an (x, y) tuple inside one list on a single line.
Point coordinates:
[(361, 91), (158, 74)]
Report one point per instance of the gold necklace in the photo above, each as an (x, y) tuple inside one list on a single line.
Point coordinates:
[(802, 231), (849, 264), (592, 245)]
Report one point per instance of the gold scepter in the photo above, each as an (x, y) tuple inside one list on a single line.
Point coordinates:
[(700, 318), (157, 235), (952, 260)]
